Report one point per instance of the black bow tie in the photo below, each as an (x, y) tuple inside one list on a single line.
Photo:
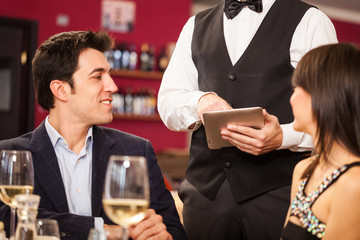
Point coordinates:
[(233, 7)]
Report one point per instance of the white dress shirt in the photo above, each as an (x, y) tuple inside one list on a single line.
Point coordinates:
[(76, 172), (179, 91)]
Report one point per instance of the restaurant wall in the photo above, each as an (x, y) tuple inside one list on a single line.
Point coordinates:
[(157, 22), (347, 31)]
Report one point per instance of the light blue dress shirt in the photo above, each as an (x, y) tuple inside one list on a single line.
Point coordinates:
[(76, 172)]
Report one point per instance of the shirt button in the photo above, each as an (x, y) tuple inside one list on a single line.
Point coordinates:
[(227, 165), (78, 161), (79, 190), (232, 77)]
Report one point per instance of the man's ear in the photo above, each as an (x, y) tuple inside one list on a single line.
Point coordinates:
[(60, 90)]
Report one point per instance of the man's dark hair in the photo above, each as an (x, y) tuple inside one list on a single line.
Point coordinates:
[(57, 58)]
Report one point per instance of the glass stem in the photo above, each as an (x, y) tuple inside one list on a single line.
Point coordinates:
[(125, 234), (12, 223)]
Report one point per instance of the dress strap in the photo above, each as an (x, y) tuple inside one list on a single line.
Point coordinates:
[(332, 178), (353, 164)]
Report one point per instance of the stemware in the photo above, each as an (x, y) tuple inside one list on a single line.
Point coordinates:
[(126, 190), (16, 177), (47, 229), (95, 234)]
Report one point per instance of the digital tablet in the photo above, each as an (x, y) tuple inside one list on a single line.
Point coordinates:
[(215, 121)]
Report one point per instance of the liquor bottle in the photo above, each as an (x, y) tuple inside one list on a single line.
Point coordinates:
[(143, 97), (117, 58), (118, 102), (163, 60), (110, 57), (125, 57), (137, 103), (144, 57), (152, 58), (129, 101), (121, 99), (133, 58), (152, 102), (145, 100)]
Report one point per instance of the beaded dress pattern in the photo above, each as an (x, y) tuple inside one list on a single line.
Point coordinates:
[(301, 205)]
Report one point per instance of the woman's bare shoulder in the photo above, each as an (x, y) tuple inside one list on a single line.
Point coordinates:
[(301, 166)]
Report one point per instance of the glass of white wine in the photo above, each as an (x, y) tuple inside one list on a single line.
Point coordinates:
[(16, 177), (126, 190)]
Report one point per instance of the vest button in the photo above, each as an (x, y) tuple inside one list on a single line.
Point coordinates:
[(65, 234), (232, 77), (227, 165)]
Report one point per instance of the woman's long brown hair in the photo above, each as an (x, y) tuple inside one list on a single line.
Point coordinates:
[(331, 74)]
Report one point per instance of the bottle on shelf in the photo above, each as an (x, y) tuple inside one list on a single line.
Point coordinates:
[(137, 103), (144, 57), (118, 102), (110, 57), (133, 58), (129, 101), (170, 47), (152, 58), (145, 93), (125, 57), (152, 101), (163, 60), (117, 56)]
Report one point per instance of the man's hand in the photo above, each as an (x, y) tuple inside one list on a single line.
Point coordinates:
[(150, 228), (255, 141), (211, 102)]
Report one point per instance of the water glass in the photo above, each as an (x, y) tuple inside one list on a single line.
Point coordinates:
[(47, 229), (95, 234)]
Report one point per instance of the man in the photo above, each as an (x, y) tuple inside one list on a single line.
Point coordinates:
[(233, 57), (70, 152)]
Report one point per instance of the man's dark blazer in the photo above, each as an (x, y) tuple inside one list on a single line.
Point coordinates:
[(50, 187)]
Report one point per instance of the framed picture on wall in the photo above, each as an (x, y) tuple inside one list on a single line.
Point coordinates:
[(118, 15)]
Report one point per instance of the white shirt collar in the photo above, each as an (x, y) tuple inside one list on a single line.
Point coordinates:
[(55, 136)]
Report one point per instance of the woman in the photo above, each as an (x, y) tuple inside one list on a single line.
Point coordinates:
[(326, 105)]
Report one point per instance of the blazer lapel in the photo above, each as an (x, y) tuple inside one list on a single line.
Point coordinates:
[(101, 153), (46, 168)]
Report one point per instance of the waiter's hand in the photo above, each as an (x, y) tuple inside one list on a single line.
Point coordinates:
[(151, 227), (211, 102), (255, 141)]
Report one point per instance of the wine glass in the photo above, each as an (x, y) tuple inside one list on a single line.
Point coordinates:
[(126, 190), (47, 229), (95, 234), (16, 177)]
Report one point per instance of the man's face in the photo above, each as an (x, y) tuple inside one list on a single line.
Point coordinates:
[(90, 100)]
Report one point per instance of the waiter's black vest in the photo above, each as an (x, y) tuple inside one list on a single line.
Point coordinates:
[(261, 77)]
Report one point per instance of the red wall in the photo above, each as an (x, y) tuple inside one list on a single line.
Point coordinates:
[(347, 32), (157, 22)]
